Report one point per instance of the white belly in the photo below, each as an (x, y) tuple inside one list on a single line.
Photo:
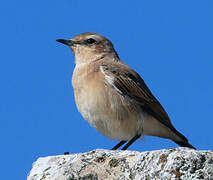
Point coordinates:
[(110, 113)]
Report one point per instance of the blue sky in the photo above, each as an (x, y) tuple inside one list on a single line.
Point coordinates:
[(169, 43)]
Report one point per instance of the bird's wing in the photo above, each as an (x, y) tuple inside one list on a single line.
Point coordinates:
[(129, 83)]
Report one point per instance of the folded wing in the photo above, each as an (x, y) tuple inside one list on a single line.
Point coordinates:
[(129, 83)]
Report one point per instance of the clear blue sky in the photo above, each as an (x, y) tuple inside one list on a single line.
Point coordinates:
[(169, 43)]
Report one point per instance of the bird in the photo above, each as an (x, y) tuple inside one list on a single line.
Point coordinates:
[(112, 97)]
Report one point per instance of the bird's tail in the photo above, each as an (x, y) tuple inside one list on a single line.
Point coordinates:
[(184, 144), (182, 140)]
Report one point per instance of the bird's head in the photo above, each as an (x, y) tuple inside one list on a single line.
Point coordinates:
[(89, 47)]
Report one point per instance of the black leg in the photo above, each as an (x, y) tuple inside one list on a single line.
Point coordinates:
[(118, 145), (130, 142)]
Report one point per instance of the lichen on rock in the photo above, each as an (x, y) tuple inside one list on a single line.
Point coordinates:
[(166, 164)]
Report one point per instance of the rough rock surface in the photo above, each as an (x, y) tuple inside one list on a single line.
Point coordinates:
[(166, 164)]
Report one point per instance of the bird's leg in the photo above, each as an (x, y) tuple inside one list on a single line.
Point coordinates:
[(118, 145), (130, 142)]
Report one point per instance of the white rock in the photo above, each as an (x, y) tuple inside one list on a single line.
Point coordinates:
[(166, 164)]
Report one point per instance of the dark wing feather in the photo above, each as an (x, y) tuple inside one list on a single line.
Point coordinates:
[(129, 83)]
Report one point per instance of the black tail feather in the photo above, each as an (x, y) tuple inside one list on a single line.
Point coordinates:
[(184, 144)]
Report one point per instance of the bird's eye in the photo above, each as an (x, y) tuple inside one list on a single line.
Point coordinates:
[(90, 41)]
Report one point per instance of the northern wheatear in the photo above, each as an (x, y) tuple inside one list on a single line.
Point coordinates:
[(112, 97)]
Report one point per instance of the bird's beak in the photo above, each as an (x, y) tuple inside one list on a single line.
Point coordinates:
[(66, 42)]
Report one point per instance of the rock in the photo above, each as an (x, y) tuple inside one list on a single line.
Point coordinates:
[(166, 164)]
